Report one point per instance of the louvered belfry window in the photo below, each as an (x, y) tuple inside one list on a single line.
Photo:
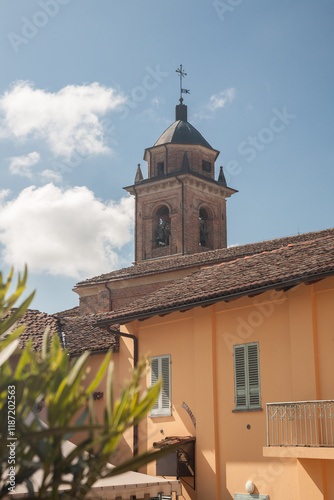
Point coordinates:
[(247, 376), (160, 367)]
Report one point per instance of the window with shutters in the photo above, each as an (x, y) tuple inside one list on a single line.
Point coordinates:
[(247, 377), (160, 367)]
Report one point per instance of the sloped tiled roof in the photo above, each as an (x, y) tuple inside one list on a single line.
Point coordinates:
[(278, 268), (199, 259), (74, 311), (36, 323), (80, 333)]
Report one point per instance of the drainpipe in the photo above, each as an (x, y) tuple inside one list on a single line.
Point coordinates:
[(176, 177), (110, 300), (135, 362)]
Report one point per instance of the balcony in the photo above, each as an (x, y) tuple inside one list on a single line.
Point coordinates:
[(303, 429)]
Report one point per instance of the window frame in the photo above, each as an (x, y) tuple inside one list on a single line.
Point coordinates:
[(206, 166), (160, 168), (242, 383), (160, 409)]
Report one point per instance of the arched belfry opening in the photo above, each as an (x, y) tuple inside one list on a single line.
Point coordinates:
[(161, 227), (179, 206), (205, 228)]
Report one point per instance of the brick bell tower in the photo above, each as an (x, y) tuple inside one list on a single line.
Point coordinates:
[(180, 208)]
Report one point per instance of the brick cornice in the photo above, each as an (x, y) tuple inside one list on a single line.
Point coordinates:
[(193, 179)]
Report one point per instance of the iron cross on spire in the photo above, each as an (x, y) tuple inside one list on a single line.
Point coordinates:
[(182, 91)]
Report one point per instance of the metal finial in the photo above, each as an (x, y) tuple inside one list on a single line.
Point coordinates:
[(182, 91)]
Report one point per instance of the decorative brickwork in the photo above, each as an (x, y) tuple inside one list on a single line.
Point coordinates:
[(180, 207), (172, 156), (183, 195)]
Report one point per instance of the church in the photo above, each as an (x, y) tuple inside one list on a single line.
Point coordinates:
[(241, 336), (180, 211)]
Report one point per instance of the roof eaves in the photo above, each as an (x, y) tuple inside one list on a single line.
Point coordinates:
[(78, 353), (278, 285)]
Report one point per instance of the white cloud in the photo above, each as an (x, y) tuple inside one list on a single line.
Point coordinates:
[(156, 101), (51, 175), (68, 120), (21, 165), (219, 100), (216, 102), (64, 232), (3, 194)]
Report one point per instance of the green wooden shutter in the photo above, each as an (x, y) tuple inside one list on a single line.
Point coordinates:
[(253, 375), (240, 377), (247, 376), (160, 367)]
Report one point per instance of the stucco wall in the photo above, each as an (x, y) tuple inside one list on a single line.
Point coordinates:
[(295, 333), (294, 330)]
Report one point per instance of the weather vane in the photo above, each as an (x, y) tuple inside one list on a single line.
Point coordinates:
[(182, 91)]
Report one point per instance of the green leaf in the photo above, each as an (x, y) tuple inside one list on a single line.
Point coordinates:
[(100, 373), (8, 351)]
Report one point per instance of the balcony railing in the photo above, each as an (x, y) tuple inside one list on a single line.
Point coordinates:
[(302, 423)]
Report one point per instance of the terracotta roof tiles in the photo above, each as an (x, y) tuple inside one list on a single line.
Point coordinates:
[(79, 333), (199, 259), (280, 267), (36, 323)]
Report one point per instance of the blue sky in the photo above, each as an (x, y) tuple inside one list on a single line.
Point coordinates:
[(87, 85)]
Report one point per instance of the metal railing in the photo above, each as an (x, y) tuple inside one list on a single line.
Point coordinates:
[(301, 423)]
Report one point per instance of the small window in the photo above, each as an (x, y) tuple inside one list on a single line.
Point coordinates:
[(206, 166), (247, 376), (161, 168), (160, 367)]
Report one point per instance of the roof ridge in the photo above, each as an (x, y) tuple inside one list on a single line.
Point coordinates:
[(173, 262), (281, 248)]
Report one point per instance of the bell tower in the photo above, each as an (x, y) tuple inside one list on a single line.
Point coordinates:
[(180, 208)]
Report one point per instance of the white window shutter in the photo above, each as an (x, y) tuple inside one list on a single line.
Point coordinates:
[(165, 391), (160, 367), (154, 379)]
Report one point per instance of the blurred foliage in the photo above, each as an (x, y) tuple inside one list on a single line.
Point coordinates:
[(27, 378)]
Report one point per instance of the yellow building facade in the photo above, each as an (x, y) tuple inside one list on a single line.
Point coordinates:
[(294, 334)]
